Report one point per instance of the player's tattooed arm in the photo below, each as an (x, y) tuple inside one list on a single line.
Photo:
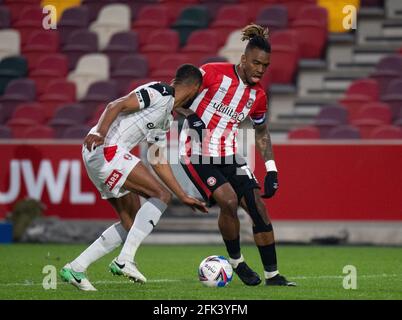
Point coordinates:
[(128, 103), (263, 141)]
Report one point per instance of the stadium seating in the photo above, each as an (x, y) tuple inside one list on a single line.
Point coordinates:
[(387, 132), (233, 47), (273, 17), (311, 27), (29, 22), (127, 68), (359, 93), (5, 18), (5, 132), (99, 92), (228, 19), (67, 116), (371, 116), (167, 66), (330, 117), (387, 69), (393, 96), (61, 6), (75, 132), (49, 67), (40, 43), (90, 68), (12, 68), (200, 44), (25, 116), (160, 42), (191, 19), (57, 93), (344, 132), (309, 132), (284, 57), (112, 18), (39, 132), (149, 19), (17, 6), (120, 45), (73, 19), (17, 91), (78, 44)]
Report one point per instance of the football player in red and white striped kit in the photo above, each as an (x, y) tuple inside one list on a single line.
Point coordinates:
[(228, 95)]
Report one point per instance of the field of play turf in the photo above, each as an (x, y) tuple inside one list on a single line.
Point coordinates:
[(172, 273)]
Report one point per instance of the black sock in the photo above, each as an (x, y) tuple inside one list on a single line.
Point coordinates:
[(268, 257), (233, 248)]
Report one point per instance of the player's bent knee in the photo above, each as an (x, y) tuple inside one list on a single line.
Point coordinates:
[(230, 206), (164, 196)]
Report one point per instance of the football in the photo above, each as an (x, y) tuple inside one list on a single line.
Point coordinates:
[(215, 271)]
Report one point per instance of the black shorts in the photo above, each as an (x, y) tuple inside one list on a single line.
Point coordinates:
[(208, 174)]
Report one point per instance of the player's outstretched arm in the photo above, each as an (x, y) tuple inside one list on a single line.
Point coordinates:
[(128, 103), (264, 145), (164, 171)]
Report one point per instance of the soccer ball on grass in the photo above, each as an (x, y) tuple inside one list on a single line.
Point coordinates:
[(215, 271)]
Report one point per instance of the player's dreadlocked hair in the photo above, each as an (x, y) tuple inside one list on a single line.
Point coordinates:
[(256, 36)]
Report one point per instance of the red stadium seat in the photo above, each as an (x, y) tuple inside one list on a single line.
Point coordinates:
[(344, 132), (371, 116), (29, 21), (200, 44), (160, 42), (175, 7), (311, 27), (58, 92), (26, 116), (309, 132), (284, 57), (17, 6), (99, 92), (167, 65), (67, 116), (149, 19), (138, 82), (39, 44), (49, 67), (387, 132), (360, 92), (393, 96), (295, 7), (228, 19)]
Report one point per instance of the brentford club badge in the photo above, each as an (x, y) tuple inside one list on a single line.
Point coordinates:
[(249, 103), (211, 181), (128, 156)]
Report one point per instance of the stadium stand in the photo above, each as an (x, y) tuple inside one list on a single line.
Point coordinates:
[(320, 73)]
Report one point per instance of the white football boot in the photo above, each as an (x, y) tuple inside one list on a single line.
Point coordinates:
[(77, 279), (128, 269)]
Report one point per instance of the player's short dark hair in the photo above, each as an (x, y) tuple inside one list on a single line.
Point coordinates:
[(188, 74), (257, 37)]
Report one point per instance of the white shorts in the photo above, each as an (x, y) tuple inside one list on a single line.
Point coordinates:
[(108, 168)]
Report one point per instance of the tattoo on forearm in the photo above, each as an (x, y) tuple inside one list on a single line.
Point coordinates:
[(263, 142)]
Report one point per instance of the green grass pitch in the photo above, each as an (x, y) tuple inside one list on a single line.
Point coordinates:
[(172, 273)]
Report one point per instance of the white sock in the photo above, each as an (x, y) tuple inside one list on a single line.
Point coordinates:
[(145, 221), (269, 275), (110, 239), (235, 262)]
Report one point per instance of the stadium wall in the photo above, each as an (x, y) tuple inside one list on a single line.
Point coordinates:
[(318, 181)]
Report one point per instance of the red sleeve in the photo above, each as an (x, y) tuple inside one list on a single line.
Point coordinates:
[(208, 75), (259, 110)]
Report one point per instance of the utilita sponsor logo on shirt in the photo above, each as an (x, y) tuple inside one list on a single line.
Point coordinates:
[(223, 108), (112, 180)]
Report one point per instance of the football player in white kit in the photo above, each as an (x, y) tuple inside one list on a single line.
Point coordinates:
[(143, 114)]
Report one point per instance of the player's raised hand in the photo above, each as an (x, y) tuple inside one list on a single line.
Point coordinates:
[(270, 184), (91, 141), (194, 203)]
